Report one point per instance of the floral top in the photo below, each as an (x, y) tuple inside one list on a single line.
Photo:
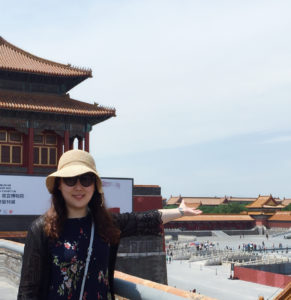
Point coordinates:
[(68, 263)]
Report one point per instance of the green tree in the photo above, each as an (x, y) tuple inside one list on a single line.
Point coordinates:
[(230, 208), (288, 207), (170, 206)]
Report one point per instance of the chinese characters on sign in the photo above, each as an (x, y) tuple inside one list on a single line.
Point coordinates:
[(20, 195), (8, 196), (28, 195)]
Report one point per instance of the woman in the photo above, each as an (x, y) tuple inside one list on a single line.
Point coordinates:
[(70, 251)]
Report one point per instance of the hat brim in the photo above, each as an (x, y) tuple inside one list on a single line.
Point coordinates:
[(71, 171)]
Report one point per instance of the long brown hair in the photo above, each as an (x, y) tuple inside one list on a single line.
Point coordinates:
[(56, 216)]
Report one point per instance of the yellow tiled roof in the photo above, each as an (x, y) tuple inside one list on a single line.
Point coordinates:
[(281, 216), (286, 202), (173, 200), (197, 200), (263, 200), (240, 199), (13, 58), (204, 200), (51, 103)]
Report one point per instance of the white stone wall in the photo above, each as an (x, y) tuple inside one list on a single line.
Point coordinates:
[(10, 265)]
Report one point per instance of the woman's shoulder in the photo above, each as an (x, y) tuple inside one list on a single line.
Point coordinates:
[(38, 224)]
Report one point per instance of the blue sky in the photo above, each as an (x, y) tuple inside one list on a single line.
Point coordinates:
[(202, 88)]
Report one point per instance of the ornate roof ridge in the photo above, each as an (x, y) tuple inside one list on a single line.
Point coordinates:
[(86, 72)]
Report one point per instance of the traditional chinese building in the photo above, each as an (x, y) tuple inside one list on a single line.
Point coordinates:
[(281, 219), (213, 222), (195, 202), (209, 201), (286, 202), (263, 208), (38, 122), (38, 118), (241, 200)]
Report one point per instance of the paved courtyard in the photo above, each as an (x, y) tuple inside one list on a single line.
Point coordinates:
[(213, 281)]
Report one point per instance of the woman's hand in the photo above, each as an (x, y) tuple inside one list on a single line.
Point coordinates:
[(176, 213), (188, 211)]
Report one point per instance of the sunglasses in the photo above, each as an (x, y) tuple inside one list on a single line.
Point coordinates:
[(85, 180)]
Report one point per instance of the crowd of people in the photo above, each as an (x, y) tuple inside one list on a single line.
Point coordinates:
[(260, 247), (179, 249)]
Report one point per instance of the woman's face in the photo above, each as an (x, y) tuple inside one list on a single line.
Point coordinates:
[(77, 196)]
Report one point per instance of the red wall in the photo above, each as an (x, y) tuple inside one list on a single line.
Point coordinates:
[(210, 225), (261, 222), (262, 277), (115, 210), (144, 203), (279, 224)]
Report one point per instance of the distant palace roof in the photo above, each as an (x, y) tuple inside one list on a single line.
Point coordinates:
[(264, 201), (174, 200), (197, 200), (286, 202), (241, 199), (51, 103), (281, 216), (15, 59)]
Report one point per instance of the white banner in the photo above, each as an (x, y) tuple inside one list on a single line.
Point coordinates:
[(27, 195)]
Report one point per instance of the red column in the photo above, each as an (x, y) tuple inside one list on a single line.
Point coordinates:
[(66, 141), (30, 151), (87, 141), (25, 150), (80, 143), (60, 147)]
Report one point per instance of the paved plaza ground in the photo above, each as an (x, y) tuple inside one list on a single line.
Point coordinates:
[(213, 281)]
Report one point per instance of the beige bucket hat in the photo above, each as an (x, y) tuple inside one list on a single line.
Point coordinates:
[(73, 163)]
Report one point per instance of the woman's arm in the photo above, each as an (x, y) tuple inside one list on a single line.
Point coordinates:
[(149, 222), (175, 213), (138, 223)]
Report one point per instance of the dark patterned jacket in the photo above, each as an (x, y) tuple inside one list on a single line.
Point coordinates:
[(36, 263)]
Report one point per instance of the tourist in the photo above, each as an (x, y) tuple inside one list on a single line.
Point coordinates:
[(70, 251)]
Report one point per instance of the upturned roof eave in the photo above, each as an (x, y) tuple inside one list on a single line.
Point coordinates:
[(76, 71), (97, 115), (52, 103), (46, 74)]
